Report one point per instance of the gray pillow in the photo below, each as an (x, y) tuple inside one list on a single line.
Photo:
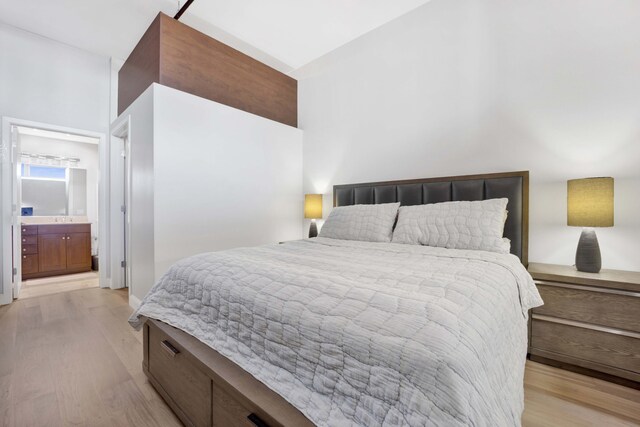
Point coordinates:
[(477, 225), (367, 223)]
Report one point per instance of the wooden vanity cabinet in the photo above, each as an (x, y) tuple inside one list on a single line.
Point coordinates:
[(79, 251), (58, 249), (52, 252)]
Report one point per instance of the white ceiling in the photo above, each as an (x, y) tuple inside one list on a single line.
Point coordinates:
[(285, 34)]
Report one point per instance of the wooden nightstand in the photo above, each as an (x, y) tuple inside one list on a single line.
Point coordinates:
[(589, 323)]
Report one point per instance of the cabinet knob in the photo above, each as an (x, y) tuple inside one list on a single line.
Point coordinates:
[(24, 250), (63, 237), (24, 240), (24, 256), (24, 229)]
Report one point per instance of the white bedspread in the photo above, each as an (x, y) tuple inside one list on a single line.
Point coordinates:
[(355, 333)]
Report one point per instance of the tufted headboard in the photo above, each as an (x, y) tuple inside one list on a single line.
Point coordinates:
[(512, 185)]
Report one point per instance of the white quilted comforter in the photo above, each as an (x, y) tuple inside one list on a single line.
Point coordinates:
[(357, 333)]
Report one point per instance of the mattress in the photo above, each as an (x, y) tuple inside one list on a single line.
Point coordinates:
[(359, 333)]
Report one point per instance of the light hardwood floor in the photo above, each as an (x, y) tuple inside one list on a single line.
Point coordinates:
[(53, 285), (71, 359)]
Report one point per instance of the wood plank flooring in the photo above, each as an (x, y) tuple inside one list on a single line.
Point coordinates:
[(555, 397), (56, 284), (71, 359)]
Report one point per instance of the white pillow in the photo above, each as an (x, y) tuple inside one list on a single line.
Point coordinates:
[(477, 225), (367, 223)]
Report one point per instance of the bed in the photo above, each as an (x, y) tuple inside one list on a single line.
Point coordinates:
[(334, 332)]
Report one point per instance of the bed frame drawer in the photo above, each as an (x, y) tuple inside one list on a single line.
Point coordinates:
[(205, 388), (612, 351), (600, 306), (228, 412), (174, 370)]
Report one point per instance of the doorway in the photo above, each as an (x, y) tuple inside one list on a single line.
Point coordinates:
[(53, 208), (120, 198)]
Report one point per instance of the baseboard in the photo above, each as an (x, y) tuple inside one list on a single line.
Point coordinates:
[(134, 301)]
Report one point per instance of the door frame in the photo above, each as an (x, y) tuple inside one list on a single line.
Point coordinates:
[(9, 177), (120, 180)]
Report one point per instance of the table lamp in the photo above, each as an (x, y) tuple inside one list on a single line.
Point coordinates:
[(589, 204), (313, 211)]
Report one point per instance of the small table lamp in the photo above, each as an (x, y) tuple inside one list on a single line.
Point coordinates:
[(589, 204), (313, 211)]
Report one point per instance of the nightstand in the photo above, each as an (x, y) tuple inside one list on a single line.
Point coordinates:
[(589, 323)]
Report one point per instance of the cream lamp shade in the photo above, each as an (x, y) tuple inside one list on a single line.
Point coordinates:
[(313, 206), (590, 202)]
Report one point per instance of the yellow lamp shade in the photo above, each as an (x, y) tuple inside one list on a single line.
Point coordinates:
[(313, 206), (590, 202)]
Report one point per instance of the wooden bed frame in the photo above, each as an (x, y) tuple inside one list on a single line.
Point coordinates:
[(205, 388)]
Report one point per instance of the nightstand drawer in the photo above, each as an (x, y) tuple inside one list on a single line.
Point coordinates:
[(605, 307), (602, 350)]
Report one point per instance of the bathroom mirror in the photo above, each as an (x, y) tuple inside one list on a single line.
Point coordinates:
[(54, 191)]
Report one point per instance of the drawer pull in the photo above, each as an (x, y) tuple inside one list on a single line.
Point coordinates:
[(256, 420), (169, 348)]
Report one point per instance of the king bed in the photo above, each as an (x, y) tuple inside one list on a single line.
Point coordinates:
[(333, 331)]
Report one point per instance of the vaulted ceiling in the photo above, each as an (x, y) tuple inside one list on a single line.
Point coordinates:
[(285, 34)]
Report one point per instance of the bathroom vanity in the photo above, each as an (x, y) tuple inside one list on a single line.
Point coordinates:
[(55, 249)]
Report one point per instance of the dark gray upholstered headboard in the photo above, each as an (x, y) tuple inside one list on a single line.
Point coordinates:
[(512, 185)]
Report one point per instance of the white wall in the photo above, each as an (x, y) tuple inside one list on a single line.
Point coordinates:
[(89, 160), (49, 82), (46, 81), (473, 86), (207, 177)]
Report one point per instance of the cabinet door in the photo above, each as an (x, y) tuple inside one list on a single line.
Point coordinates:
[(52, 252), (79, 251)]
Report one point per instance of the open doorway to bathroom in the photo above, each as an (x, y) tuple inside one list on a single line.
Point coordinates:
[(58, 199), (54, 234)]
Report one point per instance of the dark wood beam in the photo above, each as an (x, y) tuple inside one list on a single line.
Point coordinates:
[(183, 9)]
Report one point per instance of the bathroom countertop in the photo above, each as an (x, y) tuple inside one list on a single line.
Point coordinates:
[(47, 220), (56, 223)]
